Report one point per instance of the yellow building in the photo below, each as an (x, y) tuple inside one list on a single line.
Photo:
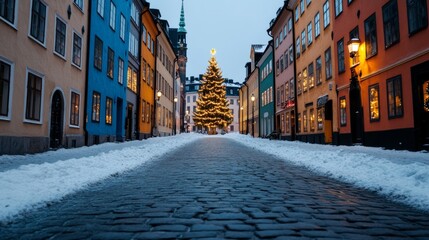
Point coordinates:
[(42, 70), (150, 33), (315, 85)]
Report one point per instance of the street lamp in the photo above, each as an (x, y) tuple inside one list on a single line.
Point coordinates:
[(356, 122), (158, 95), (241, 120), (252, 98)]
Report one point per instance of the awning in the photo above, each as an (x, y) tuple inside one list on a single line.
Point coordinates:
[(321, 101)]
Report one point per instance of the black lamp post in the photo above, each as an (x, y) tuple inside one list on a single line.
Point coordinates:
[(252, 98), (356, 121), (174, 115)]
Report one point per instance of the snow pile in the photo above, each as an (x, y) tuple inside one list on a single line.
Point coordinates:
[(32, 185), (400, 175)]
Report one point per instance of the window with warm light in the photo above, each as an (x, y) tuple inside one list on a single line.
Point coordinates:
[(374, 102), (343, 111), (310, 75), (320, 119), (74, 109), (109, 109), (394, 97), (95, 107), (426, 96), (312, 120), (304, 80), (298, 127), (304, 121), (287, 122), (282, 122), (299, 90)]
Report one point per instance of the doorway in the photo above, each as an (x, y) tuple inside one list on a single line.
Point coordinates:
[(57, 120), (420, 79), (328, 121), (356, 113), (129, 122)]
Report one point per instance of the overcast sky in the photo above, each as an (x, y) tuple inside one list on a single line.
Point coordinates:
[(230, 26)]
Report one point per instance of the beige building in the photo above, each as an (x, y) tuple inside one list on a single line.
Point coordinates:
[(42, 69), (316, 95), (165, 76)]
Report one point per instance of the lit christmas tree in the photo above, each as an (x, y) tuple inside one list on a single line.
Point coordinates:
[(212, 107)]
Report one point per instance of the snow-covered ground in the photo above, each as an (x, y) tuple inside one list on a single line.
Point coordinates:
[(30, 181)]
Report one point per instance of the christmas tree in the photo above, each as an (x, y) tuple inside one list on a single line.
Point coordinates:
[(212, 107)]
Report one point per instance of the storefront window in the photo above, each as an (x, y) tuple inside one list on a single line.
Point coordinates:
[(304, 121), (343, 113), (287, 122), (374, 103), (282, 119), (319, 118), (312, 118)]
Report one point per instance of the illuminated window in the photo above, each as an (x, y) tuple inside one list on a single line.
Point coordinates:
[(319, 118), (299, 90), (298, 128), (374, 103), (343, 112), (74, 109), (310, 75), (304, 121), (95, 107), (312, 120), (318, 70), (304, 80), (394, 97), (287, 122), (109, 107), (282, 119)]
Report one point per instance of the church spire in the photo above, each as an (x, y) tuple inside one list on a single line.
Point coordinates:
[(182, 20)]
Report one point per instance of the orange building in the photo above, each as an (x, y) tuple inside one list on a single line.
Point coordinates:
[(150, 33), (381, 99)]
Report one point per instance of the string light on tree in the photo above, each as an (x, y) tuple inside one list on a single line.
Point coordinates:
[(212, 106)]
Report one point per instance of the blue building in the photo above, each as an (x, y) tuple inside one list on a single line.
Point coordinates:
[(266, 92), (107, 66)]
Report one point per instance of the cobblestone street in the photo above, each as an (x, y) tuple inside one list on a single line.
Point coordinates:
[(217, 188)]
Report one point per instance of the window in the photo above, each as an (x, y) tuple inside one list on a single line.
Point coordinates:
[(77, 50), (310, 33), (98, 53), (34, 97), (390, 23), (312, 120), (5, 84), (110, 62), (109, 108), (319, 118), (417, 15), (281, 63), (132, 80), (311, 75), (304, 40), (289, 24), (231, 101), (188, 98), (122, 29), (135, 14), (149, 41), (298, 127), (299, 89), (143, 111), (284, 31), (374, 103), (287, 120), (302, 6), (74, 109), (340, 56), (292, 88), (343, 111), (304, 80), (112, 15), (60, 37), (291, 55), (304, 121), (370, 36), (297, 13), (287, 92), (328, 64), (326, 17), (354, 33), (100, 7), (286, 59), (338, 7), (144, 34), (79, 3), (95, 107), (298, 47), (194, 98), (318, 70), (7, 10), (308, 2), (120, 71), (133, 47), (278, 67), (317, 25), (38, 21), (394, 97)]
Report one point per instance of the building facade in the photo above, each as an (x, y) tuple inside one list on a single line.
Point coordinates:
[(42, 75), (383, 89), (266, 91), (282, 31), (232, 96)]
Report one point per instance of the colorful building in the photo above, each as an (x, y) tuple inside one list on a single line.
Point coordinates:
[(282, 31), (107, 64), (266, 92), (147, 80), (382, 98), (42, 74), (315, 86)]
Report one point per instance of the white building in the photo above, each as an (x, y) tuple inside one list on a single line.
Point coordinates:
[(191, 89)]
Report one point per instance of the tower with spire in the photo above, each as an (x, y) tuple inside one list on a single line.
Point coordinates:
[(178, 39)]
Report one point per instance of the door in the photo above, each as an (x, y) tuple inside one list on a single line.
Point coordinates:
[(328, 122), (356, 112), (425, 115), (57, 113), (129, 122), (420, 80)]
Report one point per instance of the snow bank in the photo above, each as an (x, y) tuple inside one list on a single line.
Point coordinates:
[(32, 185), (400, 175)]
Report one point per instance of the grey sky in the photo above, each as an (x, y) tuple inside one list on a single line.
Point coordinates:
[(230, 26)]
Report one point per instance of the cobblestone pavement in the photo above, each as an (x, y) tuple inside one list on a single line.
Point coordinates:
[(217, 188)]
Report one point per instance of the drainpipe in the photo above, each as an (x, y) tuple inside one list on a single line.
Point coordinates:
[(85, 107), (294, 68)]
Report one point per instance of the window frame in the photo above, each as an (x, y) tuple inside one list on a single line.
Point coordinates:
[(391, 25), (30, 25), (74, 33), (121, 72), (109, 111), (95, 115), (42, 93), (326, 14), (112, 20), (310, 33), (317, 25), (343, 111), (79, 6), (110, 63), (11, 65), (340, 56), (122, 27), (328, 64), (72, 112), (396, 83), (13, 23), (425, 18), (319, 68), (370, 30), (63, 56), (98, 53), (100, 8), (377, 88), (338, 7)]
